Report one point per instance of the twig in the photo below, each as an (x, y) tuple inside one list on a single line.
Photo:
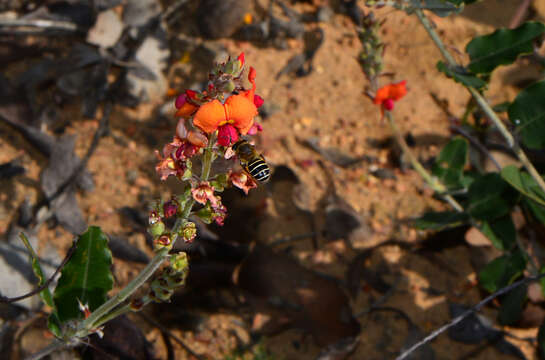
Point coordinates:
[(519, 14), (467, 313), (41, 24), (483, 104), (177, 339), (476, 143), (437, 186), (7, 300)]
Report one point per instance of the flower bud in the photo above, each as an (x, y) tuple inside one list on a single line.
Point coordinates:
[(157, 229), (136, 304), (229, 86), (181, 130), (170, 208), (179, 262), (197, 138), (180, 101), (162, 241), (189, 232)]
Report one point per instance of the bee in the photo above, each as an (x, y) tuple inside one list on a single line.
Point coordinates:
[(252, 162)]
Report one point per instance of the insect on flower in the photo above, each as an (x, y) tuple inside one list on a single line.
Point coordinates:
[(252, 162)]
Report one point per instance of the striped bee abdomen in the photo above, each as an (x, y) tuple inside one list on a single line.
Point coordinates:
[(259, 169)]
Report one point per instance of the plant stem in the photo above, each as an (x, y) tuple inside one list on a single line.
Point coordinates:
[(104, 312), (437, 186), (483, 104)]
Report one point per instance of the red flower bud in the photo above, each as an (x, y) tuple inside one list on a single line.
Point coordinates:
[(227, 135), (388, 104), (241, 59), (258, 101), (180, 101), (170, 208)]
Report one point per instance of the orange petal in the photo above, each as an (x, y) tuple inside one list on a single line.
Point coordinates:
[(209, 116), (391, 91), (186, 110), (241, 111)]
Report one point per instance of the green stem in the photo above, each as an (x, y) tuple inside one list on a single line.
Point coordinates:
[(483, 104), (436, 185), (106, 311)]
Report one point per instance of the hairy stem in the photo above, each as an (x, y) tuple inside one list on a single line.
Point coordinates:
[(106, 311), (483, 104), (436, 185)]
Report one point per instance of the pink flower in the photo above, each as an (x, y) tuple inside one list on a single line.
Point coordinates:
[(204, 193)]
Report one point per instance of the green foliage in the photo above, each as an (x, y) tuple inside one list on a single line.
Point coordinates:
[(501, 271), (524, 183), (440, 220), (527, 112), (512, 305), (449, 166), (502, 47), (45, 294), (86, 277), (461, 75), (535, 208), (501, 232), (489, 197)]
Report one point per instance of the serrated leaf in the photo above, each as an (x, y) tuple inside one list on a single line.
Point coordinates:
[(501, 232), (460, 75), (524, 183), (527, 112), (489, 197), (449, 166), (86, 277), (512, 305), (501, 271), (502, 47), (440, 220)]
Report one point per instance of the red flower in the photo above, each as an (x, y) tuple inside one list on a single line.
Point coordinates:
[(388, 94), (185, 104), (174, 154)]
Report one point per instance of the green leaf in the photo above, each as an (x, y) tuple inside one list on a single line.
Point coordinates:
[(501, 107), (536, 209), (449, 166), (524, 183), (53, 321), (501, 271), (489, 197), (512, 305), (541, 339), (527, 112), (502, 47), (440, 220), (460, 75), (501, 232), (86, 277)]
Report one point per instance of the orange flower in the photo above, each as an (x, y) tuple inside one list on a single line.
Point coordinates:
[(238, 110), (388, 94)]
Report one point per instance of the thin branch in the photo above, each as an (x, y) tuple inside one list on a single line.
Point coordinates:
[(467, 313), (519, 14), (483, 104), (437, 186), (7, 300)]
